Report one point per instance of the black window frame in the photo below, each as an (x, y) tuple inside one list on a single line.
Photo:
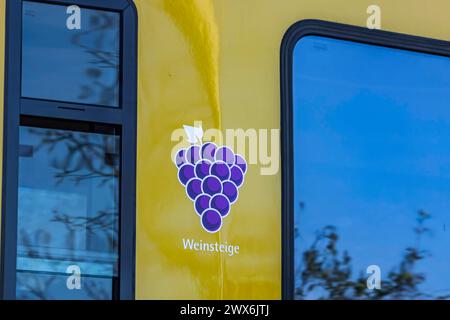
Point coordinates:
[(125, 117), (293, 35)]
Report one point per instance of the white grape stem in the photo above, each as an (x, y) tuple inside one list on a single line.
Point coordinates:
[(194, 134)]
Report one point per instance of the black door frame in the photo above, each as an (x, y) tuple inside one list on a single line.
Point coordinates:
[(125, 116)]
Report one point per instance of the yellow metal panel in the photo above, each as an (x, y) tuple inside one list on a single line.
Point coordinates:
[(218, 62), (183, 78)]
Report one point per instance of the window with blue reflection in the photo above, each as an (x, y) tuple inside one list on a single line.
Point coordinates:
[(372, 171), (68, 210), (79, 65)]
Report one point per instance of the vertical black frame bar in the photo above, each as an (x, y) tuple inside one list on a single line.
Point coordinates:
[(292, 36), (124, 116), (10, 175), (128, 156)]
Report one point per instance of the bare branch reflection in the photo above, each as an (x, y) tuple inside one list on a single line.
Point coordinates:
[(93, 41), (327, 273)]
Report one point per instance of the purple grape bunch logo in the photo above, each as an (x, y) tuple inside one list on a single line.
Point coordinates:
[(212, 176)]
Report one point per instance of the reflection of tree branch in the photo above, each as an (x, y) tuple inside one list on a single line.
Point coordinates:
[(324, 267), (81, 154), (100, 24), (96, 292), (104, 220), (328, 274), (37, 286), (34, 283), (104, 223), (42, 237)]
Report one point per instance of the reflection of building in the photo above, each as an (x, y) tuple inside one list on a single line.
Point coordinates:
[(87, 174)]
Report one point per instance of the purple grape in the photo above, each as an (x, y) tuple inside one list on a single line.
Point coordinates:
[(202, 168), (221, 204), (221, 170), (211, 185), (193, 154), (211, 220), (202, 203), (186, 173), (241, 163), (208, 151), (236, 176), (180, 158), (225, 154), (194, 188), (230, 191)]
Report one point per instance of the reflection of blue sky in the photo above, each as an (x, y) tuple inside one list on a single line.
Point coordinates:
[(372, 147), (53, 67)]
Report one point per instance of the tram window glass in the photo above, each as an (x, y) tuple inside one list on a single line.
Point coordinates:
[(64, 63), (68, 211), (371, 154)]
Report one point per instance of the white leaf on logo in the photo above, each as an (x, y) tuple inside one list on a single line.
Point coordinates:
[(194, 134)]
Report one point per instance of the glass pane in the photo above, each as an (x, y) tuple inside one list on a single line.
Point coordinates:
[(372, 171), (71, 65), (68, 213)]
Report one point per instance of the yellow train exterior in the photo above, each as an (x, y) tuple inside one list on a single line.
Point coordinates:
[(217, 61)]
